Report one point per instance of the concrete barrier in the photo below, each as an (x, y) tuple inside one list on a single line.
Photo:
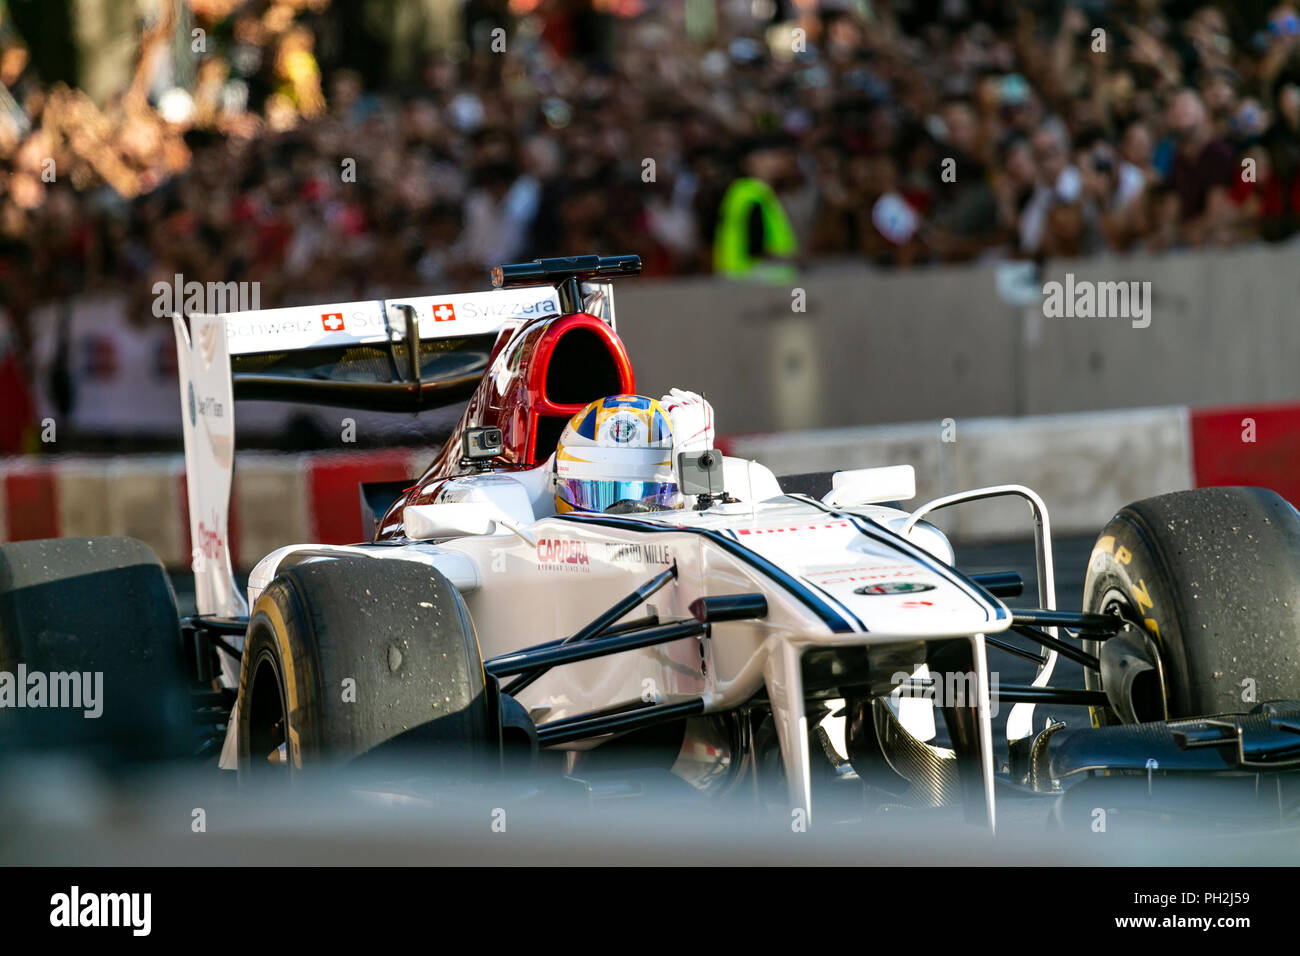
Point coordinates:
[(1085, 465), (870, 348), (875, 347)]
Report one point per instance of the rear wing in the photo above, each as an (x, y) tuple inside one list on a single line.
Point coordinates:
[(402, 354), (392, 355)]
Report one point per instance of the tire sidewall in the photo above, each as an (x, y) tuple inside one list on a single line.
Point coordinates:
[(264, 648), (1123, 563), (313, 627)]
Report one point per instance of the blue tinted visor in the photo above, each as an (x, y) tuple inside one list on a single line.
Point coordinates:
[(586, 494)]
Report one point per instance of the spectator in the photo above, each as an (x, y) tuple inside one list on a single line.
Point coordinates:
[(1015, 183), (965, 213), (754, 238), (1113, 189), (1058, 183), (1202, 171)]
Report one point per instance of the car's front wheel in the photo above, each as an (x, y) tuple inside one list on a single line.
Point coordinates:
[(1212, 576)]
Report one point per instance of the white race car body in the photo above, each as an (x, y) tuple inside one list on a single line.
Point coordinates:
[(831, 579)]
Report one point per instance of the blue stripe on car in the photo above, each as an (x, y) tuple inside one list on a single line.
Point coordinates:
[(798, 589), (844, 608)]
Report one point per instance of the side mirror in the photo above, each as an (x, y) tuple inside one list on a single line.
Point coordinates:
[(869, 486), (450, 520)]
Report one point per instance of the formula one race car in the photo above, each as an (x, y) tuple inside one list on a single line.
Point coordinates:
[(796, 632)]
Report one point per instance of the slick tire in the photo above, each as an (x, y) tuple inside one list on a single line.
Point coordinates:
[(100, 613), (1213, 576), (352, 657)]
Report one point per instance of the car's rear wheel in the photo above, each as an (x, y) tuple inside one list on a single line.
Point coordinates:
[(92, 625), (351, 656), (1213, 577)]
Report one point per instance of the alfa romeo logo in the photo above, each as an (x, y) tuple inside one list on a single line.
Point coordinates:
[(622, 429), (894, 587)]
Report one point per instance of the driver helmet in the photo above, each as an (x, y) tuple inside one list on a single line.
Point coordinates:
[(616, 455)]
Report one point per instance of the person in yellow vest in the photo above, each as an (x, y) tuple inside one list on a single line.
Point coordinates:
[(754, 239)]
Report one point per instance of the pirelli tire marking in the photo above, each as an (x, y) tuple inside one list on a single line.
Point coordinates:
[(1141, 595)]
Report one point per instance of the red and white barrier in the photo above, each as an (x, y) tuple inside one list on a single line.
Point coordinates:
[(278, 499), (1085, 465)]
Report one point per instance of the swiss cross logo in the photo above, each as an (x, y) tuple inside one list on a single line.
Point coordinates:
[(444, 312), (332, 321)]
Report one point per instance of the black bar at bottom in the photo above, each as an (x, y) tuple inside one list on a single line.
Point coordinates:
[(729, 607), (526, 661), (572, 729), (217, 625), (1000, 583), (1012, 649), (1094, 625), (637, 705), (1053, 644), (1075, 697)]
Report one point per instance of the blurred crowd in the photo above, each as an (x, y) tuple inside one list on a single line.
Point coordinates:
[(893, 133), (954, 131)]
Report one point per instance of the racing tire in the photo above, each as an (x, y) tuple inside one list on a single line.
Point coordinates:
[(349, 657), (1213, 576), (101, 609)]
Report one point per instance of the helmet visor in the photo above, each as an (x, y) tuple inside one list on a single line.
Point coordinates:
[(586, 494)]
